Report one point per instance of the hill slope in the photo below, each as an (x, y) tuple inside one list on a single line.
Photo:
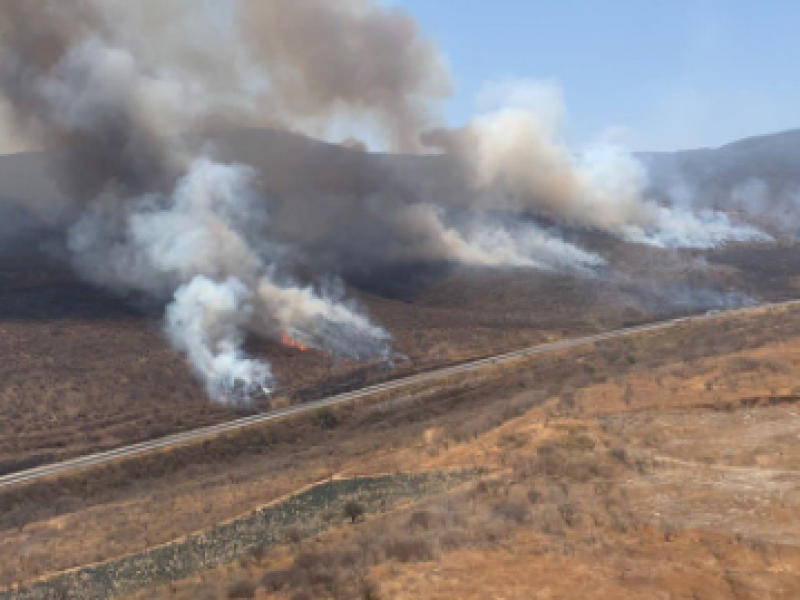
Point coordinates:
[(713, 175), (87, 370)]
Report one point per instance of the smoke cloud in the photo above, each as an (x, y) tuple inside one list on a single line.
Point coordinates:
[(205, 321), (518, 162), (198, 247), (114, 86), (350, 59), (105, 83)]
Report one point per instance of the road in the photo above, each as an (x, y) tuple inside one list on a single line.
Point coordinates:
[(202, 433)]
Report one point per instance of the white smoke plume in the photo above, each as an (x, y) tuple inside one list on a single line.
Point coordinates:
[(679, 227), (481, 242), (520, 163), (206, 321), (425, 231), (197, 247)]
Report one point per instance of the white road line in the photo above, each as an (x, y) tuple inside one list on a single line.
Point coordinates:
[(213, 430)]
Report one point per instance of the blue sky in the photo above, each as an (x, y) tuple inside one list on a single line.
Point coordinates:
[(656, 75)]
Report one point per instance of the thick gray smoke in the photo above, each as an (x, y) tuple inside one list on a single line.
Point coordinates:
[(157, 219), (114, 85), (71, 88), (347, 60)]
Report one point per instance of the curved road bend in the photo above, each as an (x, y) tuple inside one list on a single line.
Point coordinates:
[(194, 435)]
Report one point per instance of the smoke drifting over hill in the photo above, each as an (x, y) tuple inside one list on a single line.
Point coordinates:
[(518, 162), (112, 84)]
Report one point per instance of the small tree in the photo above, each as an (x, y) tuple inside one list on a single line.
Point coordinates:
[(324, 418), (242, 590), (294, 536), (354, 511)]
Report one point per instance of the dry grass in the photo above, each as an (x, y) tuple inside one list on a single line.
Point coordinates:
[(631, 499), (573, 501), (85, 371), (553, 458)]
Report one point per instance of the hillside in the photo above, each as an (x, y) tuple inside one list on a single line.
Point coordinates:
[(87, 370), (775, 158), (294, 165), (582, 455), (737, 176)]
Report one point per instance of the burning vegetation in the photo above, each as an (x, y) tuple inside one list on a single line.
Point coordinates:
[(288, 342)]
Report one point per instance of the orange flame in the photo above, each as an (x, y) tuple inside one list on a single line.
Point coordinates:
[(289, 342)]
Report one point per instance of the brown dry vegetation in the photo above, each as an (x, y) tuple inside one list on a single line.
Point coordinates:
[(84, 371), (616, 493), (626, 464)]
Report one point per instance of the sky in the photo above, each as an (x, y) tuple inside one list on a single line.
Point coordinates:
[(661, 75)]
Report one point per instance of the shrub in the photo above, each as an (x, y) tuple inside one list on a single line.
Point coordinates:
[(309, 561), (354, 511), (409, 549), (332, 573), (534, 496), (580, 443), (329, 516), (242, 589), (488, 487), (619, 454), (511, 511), (294, 535), (421, 519), (568, 512), (275, 581), (324, 418), (369, 590), (512, 440), (257, 553)]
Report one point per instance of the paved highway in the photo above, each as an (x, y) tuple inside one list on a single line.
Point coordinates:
[(202, 433)]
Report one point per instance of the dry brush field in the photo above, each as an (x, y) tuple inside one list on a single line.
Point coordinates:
[(657, 464), (84, 371)]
